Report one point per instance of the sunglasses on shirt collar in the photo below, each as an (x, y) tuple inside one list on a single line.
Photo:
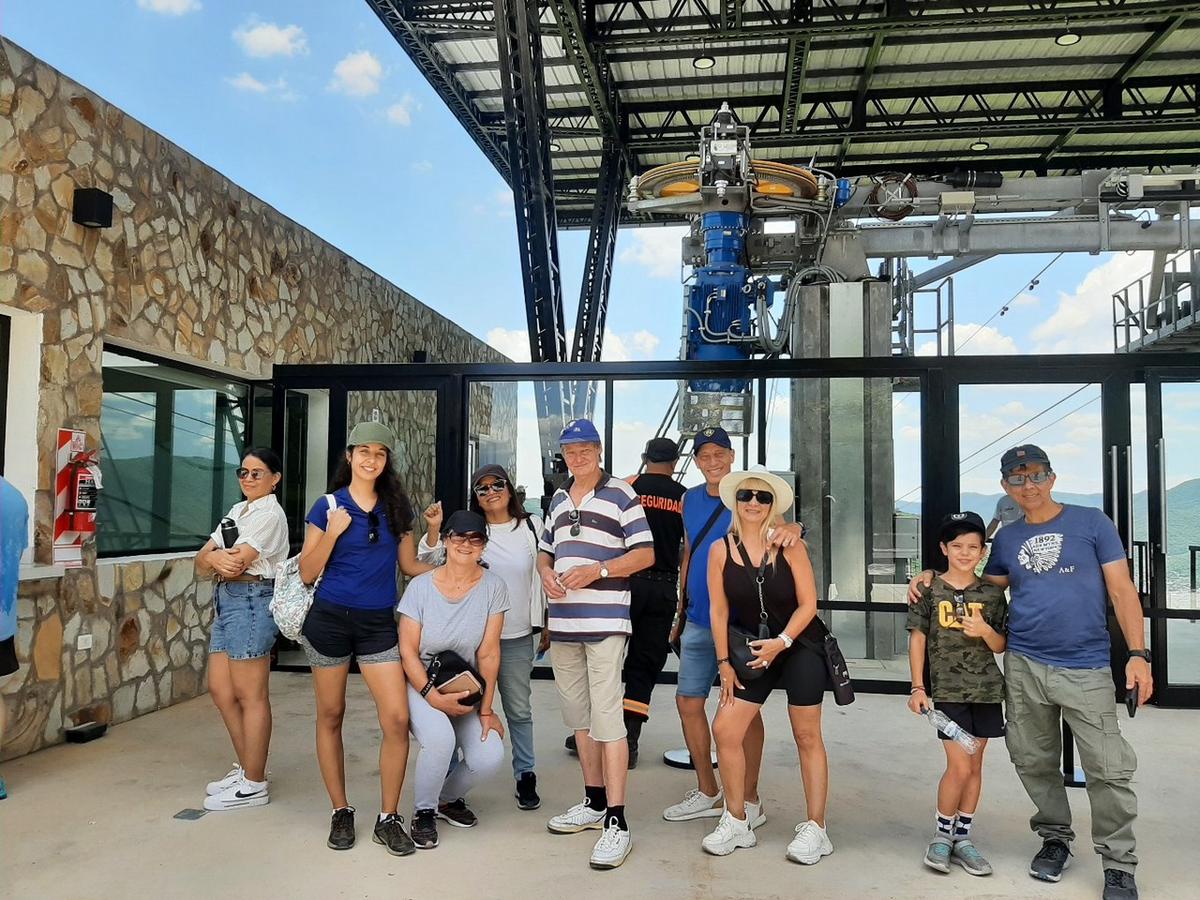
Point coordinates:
[(573, 516), (373, 527)]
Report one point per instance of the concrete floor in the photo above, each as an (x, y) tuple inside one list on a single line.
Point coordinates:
[(96, 819)]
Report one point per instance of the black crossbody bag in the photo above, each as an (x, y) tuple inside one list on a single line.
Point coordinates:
[(740, 652), (447, 665)]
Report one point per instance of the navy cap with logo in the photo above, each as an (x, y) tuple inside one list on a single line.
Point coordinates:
[(718, 436), (960, 523), (463, 521), (579, 431), (660, 450), (1024, 455)]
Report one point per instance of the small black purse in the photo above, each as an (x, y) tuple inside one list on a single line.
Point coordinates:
[(448, 665), (740, 652)]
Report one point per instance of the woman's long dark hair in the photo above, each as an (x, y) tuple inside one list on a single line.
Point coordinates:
[(388, 487), (515, 509)]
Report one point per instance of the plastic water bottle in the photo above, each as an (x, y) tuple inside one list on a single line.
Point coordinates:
[(952, 730)]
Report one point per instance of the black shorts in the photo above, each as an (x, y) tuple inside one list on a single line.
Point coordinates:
[(8, 657), (983, 720), (800, 671), (339, 632)]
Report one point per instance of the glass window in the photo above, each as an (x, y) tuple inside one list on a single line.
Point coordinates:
[(170, 440)]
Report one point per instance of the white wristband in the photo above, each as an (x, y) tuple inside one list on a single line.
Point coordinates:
[(787, 641)]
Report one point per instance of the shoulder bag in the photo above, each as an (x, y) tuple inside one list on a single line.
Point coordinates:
[(293, 598), (448, 666), (740, 652)]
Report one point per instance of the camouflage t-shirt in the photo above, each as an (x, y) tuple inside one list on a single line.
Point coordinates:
[(962, 669)]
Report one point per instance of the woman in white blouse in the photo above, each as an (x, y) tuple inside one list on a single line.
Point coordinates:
[(511, 553), (243, 553)]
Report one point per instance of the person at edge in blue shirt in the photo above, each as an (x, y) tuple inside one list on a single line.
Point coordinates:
[(14, 538), (356, 534), (705, 521), (1060, 564)]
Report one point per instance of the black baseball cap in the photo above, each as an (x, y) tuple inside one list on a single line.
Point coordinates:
[(1023, 455), (661, 449), (717, 435), (960, 523), (491, 469), (463, 521)]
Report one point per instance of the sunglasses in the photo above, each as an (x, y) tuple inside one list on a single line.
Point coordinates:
[(474, 538), (1036, 478), (482, 490), (573, 515), (745, 495), (243, 473), (373, 532)]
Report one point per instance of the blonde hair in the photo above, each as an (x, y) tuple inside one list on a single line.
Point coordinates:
[(735, 526)]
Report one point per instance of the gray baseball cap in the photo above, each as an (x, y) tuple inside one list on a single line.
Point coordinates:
[(372, 433)]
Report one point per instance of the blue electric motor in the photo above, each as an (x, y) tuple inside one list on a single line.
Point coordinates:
[(717, 303)]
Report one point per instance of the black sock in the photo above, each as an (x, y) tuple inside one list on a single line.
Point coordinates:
[(597, 797), (618, 813), (633, 729)]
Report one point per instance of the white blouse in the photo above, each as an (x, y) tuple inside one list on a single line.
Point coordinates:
[(262, 525)]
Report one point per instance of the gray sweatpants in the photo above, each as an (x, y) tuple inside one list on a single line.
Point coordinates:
[(1038, 695), (439, 736)]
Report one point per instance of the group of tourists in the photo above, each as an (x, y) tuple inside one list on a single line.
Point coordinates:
[(619, 571)]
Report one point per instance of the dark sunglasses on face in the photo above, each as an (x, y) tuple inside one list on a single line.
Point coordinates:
[(474, 538), (373, 522), (482, 490), (573, 515), (253, 474), (745, 495), (1036, 478)]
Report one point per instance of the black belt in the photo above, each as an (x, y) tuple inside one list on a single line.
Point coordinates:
[(657, 575)]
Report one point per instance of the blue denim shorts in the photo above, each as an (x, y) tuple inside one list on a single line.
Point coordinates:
[(243, 627), (697, 661)]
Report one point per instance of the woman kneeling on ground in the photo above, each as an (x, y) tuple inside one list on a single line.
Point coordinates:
[(458, 607), (244, 558), (751, 584)]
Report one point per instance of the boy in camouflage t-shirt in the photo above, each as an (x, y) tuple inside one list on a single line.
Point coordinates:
[(961, 622)]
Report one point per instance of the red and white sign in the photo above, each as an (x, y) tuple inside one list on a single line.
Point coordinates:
[(76, 483)]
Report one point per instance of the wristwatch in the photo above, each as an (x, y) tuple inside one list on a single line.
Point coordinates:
[(1142, 654), (603, 570), (787, 641)]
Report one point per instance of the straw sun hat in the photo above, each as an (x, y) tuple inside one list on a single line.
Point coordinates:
[(780, 488)]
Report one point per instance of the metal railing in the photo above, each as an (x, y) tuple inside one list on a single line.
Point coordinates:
[(1157, 304)]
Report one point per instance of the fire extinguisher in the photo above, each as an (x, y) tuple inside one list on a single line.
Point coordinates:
[(82, 489)]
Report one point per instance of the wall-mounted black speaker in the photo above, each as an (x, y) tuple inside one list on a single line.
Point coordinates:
[(420, 356), (93, 208)]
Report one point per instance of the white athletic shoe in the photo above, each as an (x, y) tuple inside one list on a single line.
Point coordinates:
[(756, 815), (578, 818), (232, 777), (239, 796), (810, 844), (729, 834), (696, 805), (612, 848)]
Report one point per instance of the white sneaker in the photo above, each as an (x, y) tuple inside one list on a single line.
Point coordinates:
[(810, 844), (729, 834), (696, 805), (232, 777), (612, 848), (755, 814), (578, 818), (239, 796)]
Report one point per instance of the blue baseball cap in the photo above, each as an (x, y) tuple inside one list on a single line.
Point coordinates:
[(718, 436), (1023, 455), (579, 431)]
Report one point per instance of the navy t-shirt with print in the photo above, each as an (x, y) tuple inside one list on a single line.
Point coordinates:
[(359, 574), (1057, 597)]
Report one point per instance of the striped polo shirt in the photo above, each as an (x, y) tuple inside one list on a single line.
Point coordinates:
[(611, 523)]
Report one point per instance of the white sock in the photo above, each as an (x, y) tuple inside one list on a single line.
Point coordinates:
[(384, 815), (253, 785)]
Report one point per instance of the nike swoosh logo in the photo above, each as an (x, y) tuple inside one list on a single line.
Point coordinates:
[(242, 796)]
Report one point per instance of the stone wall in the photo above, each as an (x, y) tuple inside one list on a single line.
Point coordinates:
[(195, 269)]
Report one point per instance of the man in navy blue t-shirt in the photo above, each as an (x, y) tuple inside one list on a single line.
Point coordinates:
[(1062, 564)]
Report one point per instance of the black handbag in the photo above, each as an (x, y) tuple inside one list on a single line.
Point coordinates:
[(740, 652), (835, 663), (447, 665)]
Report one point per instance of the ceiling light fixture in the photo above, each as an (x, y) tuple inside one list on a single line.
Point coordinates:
[(703, 61), (979, 145), (1069, 36), (555, 146)]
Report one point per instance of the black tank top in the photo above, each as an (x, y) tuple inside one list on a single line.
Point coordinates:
[(779, 592)]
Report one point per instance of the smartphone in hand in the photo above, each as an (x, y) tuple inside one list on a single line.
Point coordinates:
[(1131, 701)]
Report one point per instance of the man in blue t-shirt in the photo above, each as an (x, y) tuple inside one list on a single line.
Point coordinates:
[(1062, 563), (14, 538)]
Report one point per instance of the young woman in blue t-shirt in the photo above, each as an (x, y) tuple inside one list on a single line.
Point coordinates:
[(356, 535)]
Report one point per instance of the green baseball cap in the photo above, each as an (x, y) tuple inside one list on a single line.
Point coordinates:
[(372, 433)]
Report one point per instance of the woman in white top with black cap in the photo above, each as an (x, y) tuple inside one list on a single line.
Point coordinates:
[(243, 553)]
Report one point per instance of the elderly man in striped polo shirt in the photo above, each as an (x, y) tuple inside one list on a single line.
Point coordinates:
[(596, 537)]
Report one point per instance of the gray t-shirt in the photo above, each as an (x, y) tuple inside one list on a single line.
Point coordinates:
[(456, 625)]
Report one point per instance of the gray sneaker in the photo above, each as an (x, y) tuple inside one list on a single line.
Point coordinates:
[(1119, 885), (1050, 861), (970, 859), (938, 855)]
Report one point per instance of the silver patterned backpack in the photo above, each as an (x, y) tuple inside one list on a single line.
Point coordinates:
[(292, 598)]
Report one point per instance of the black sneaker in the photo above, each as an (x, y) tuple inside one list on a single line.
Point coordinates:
[(389, 831), (1050, 861), (570, 744), (341, 829), (1119, 885), (527, 795), (457, 813), (424, 829)]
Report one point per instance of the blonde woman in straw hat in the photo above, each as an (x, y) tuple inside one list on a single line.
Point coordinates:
[(769, 593)]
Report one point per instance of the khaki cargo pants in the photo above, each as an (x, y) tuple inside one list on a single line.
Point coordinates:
[(1037, 695)]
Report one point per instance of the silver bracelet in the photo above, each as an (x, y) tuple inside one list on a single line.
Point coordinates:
[(787, 641)]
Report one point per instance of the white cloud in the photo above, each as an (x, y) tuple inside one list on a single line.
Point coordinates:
[(1082, 323), (512, 342), (401, 113), (422, 166), (615, 348), (169, 7), (1026, 299), (278, 88), (263, 39), (357, 75), (656, 249), (645, 342), (978, 340)]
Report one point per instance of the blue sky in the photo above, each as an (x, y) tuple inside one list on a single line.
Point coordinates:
[(313, 107)]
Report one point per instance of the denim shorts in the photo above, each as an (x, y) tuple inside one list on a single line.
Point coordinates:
[(697, 661), (243, 627)]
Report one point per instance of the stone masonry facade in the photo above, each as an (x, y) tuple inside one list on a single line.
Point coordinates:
[(193, 269)]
